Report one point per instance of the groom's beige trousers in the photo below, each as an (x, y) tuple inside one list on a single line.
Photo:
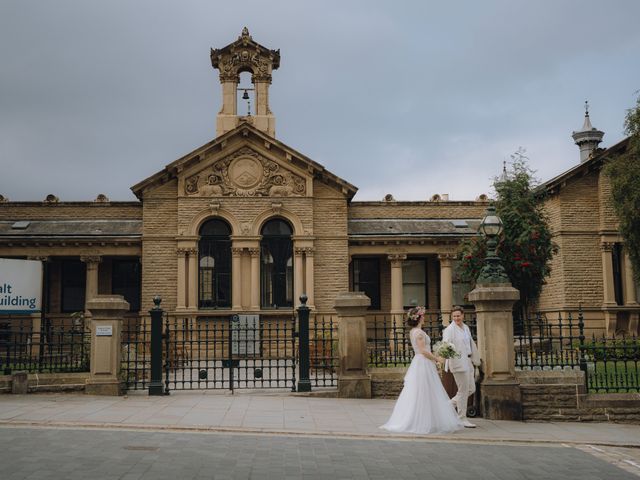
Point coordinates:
[(466, 386)]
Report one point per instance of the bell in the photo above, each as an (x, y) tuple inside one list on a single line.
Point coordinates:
[(245, 96)]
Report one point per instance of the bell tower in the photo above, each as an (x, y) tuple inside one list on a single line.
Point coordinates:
[(245, 55)]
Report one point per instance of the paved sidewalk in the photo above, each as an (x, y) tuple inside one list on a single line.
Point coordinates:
[(260, 413)]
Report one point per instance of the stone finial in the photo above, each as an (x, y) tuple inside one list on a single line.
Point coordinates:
[(436, 197), (483, 197), (51, 198), (101, 198), (389, 198)]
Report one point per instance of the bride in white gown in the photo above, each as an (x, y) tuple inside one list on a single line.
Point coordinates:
[(423, 405)]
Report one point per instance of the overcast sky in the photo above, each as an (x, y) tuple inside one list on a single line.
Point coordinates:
[(404, 97)]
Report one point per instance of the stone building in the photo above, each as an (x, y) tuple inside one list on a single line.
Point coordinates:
[(246, 223)]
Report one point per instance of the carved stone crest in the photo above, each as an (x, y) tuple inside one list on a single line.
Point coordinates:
[(245, 174)]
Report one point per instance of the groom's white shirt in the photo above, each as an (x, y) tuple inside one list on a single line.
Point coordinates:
[(464, 344)]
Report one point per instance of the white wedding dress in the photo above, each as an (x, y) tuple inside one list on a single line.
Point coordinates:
[(423, 405)]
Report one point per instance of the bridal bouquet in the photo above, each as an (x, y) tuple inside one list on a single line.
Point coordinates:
[(445, 350)]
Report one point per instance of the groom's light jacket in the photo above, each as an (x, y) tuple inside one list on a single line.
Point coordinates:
[(464, 345)]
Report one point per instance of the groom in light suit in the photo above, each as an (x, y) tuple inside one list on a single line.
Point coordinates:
[(462, 368)]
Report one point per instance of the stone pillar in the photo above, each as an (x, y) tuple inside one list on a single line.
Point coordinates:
[(236, 278), (309, 276), (446, 286), (500, 391), (182, 279), (397, 307), (630, 295), (192, 275), (107, 313), (255, 278), (298, 274), (607, 273), (91, 287), (354, 380), (629, 282), (609, 300)]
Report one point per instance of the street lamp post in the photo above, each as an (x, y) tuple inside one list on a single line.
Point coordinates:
[(492, 272)]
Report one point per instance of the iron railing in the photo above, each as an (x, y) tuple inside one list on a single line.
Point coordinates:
[(135, 369), (558, 342), (612, 364), (62, 346), (323, 351), (388, 339)]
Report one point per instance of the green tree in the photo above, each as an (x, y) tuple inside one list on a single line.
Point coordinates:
[(526, 245), (623, 171)]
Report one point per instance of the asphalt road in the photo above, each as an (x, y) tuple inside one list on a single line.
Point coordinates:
[(56, 453)]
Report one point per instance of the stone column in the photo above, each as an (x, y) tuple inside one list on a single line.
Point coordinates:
[(309, 276), (182, 279), (354, 380), (607, 273), (192, 275), (500, 391), (629, 282), (107, 313), (609, 300), (91, 287), (298, 274), (236, 278), (446, 286), (397, 307), (255, 278), (630, 295)]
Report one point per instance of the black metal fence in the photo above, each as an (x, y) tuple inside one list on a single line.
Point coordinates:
[(323, 351), (59, 346), (558, 341), (135, 369), (388, 339)]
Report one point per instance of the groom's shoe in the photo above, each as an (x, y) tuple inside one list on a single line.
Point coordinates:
[(467, 423)]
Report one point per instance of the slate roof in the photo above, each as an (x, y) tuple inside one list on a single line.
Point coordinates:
[(367, 227), (30, 229)]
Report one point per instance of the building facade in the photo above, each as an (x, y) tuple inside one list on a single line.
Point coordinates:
[(246, 224)]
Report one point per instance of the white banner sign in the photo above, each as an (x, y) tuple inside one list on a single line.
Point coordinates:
[(20, 286)]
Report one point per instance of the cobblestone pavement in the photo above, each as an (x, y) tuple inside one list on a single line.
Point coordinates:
[(58, 453)]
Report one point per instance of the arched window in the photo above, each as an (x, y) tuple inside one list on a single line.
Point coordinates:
[(214, 265), (276, 265)]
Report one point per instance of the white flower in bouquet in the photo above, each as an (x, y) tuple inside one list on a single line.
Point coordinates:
[(445, 350)]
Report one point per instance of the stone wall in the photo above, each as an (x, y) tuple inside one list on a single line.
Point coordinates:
[(387, 382), (557, 396), (561, 396)]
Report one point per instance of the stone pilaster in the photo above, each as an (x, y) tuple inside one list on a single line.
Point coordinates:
[(254, 253), (192, 276), (298, 274), (309, 276), (182, 278), (236, 278)]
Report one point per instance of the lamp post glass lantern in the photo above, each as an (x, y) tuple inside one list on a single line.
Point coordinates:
[(491, 228)]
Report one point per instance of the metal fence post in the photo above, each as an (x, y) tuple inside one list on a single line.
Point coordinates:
[(304, 384), (582, 348), (156, 386)]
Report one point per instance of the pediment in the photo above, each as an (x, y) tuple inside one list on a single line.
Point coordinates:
[(245, 173), (245, 162)]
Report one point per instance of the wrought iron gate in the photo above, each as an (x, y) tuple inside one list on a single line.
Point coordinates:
[(249, 351), (233, 352)]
